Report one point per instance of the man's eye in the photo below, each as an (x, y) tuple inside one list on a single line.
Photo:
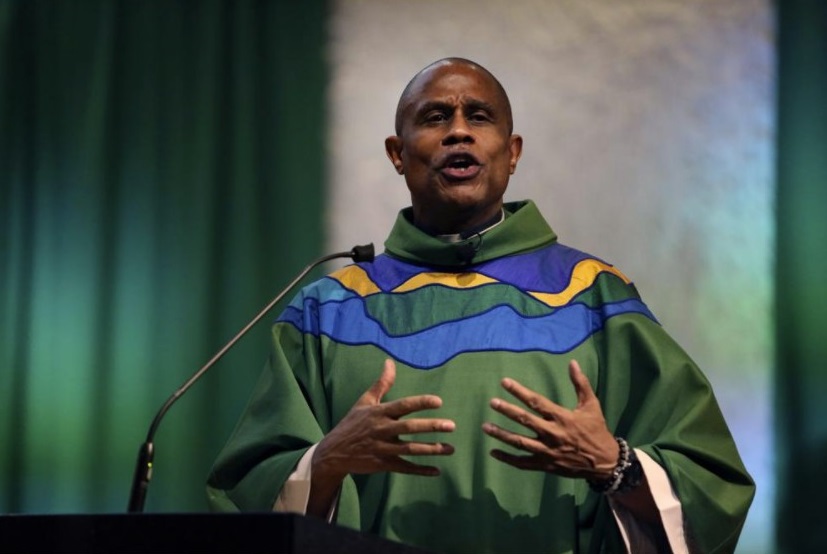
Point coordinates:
[(436, 117), (479, 116)]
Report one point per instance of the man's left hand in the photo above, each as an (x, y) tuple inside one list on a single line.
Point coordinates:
[(571, 443)]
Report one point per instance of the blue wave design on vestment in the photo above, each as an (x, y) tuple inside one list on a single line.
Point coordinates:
[(547, 269), (326, 288), (498, 329)]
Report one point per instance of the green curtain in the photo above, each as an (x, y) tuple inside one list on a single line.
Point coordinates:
[(801, 302), (161, 175)]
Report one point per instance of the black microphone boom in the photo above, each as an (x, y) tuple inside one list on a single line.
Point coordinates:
[(143, 468)]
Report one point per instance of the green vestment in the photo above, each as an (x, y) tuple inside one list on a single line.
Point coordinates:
[(523, 308)]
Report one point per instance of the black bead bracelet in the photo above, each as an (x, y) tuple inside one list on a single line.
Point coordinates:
[(626, 475)]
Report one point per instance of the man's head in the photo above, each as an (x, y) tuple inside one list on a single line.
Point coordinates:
[(454, 144)]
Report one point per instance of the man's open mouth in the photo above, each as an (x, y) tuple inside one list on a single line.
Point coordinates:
[(460, 166)]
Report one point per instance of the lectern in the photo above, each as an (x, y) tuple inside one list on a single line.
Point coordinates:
[(185, 533)]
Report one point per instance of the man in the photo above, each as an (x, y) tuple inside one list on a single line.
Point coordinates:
[(528, 401)]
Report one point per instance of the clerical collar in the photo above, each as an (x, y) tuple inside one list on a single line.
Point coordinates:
[(523, 229), (484, 227)]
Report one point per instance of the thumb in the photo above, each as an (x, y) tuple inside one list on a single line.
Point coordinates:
[(382, 385), (581, 384)]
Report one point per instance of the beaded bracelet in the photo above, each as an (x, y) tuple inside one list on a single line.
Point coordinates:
[(626, 475)]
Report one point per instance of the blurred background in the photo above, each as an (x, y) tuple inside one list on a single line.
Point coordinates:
[(167, 166)]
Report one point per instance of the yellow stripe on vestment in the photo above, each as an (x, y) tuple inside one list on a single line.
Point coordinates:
[(356, 279), (452, 280), (583, 276)]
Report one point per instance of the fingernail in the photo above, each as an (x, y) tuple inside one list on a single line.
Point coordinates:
[(495, 403)]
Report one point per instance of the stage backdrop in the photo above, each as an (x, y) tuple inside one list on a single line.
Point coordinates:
[(161, 166), (801, 297), (649, 136)]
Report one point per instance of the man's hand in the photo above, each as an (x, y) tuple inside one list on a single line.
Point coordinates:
[(367, 440), (571, 443)]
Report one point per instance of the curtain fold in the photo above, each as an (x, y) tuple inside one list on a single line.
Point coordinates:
[(801, 297), (162, 168)]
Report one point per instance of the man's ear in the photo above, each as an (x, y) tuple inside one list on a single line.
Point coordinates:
[(393, 148), (516, 147)]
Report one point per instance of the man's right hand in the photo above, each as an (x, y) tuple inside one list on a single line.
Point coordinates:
[(367, 440)]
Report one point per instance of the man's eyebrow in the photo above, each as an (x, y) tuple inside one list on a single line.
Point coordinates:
[(433, 105), (474, 104), (440, 105)]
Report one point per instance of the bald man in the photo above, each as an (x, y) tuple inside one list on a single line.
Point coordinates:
[(481, 387)]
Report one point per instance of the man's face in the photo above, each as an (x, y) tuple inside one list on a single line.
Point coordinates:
[(454, 148)]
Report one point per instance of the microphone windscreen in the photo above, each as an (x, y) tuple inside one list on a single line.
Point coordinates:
[(363, 253), (466, 252)]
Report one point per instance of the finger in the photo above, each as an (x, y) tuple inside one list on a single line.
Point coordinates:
[(520, 462), (411, 448), (536, 402), (520, 442), (420, 425), (581, 383), (381, 386), (410, 404), (517, 414)]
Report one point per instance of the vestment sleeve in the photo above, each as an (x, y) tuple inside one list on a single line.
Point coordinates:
[(262, 450), (287, 413), (655, 396)]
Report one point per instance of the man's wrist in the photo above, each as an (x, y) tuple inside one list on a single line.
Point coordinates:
[(322, 469), (626, 475)]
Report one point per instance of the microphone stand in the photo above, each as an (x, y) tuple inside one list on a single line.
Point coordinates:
[(143, 467)]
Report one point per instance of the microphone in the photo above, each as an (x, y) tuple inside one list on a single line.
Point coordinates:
[(466, 251), (143, 467)]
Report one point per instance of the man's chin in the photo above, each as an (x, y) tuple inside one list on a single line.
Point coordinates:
[(473, 207), (464, 194)]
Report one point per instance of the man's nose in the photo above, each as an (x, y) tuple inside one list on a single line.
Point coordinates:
[(458, 132)]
